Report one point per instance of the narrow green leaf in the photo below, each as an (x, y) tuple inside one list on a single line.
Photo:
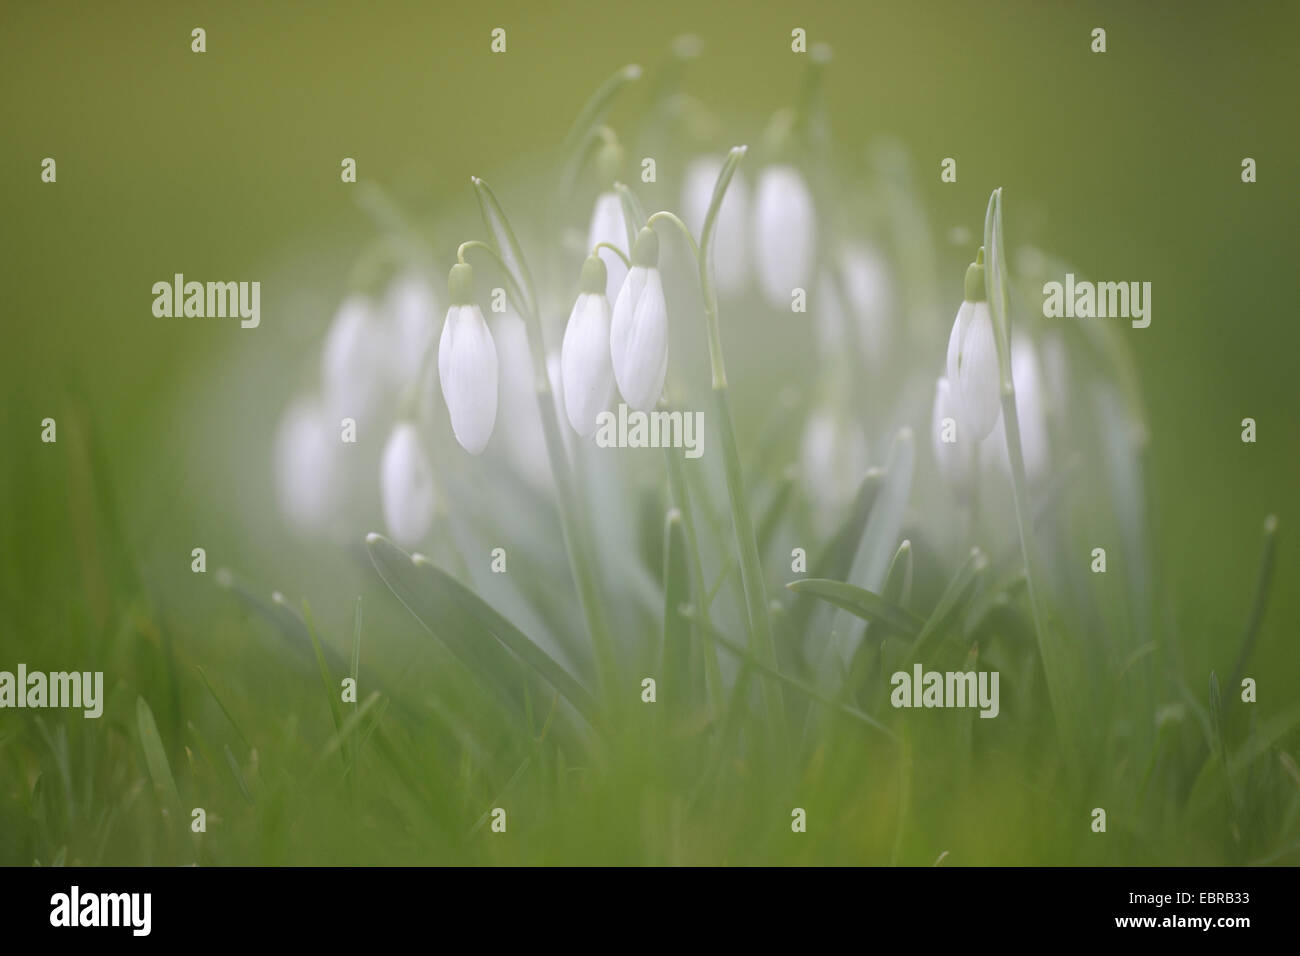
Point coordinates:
[(233, 723), (898, 581), (460, 618), (507, 244), (589, 118), (677, 598), (155, 756), (862, 603), (949, 604)]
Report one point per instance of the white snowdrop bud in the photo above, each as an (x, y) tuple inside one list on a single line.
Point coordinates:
[(730, 246), (354, 362), (954, 452), (467, 365), (519, 418), (785, 233), (607, 225), (307, 480), (638, 337), (973, 358), (406, 486), (587, 371), (412, 316)]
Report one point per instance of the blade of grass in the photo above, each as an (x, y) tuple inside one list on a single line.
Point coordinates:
[(861, 603)]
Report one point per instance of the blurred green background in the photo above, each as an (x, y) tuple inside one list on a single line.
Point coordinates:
[(226, 166)]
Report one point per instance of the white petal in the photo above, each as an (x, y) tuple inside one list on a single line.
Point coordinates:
[(587, 371), (977, 378), (784, 224), (406, 486), (307, 481), (354, 363), (607, 225), (730, 248), (413, 316), (467, 369), (953, 458), (639, 339), (871, 297)]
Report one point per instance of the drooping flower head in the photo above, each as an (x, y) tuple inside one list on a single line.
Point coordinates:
[(467, 364), (586, 367), (406, 485), (638, 337), (973, 358)]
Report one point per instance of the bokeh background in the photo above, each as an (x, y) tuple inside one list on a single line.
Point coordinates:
[(226, 166)]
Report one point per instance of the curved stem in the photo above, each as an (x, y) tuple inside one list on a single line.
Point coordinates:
[(614, 249)]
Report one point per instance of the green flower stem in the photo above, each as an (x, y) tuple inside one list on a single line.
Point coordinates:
[(614, 249), (681, 494), (762, 645), (997, 290), (576, 536)]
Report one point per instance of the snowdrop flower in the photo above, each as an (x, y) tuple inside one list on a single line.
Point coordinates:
[(412, 312), (1031, 415), (953, 451), (406, 486), (638, 339), (784, 223), (730, 248), (354, 362), (832, 460), (586, 368), (973, 358), (871, 297), (467, 365), (306, 465)]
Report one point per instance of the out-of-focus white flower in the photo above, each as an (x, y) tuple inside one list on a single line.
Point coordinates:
[(973, 358), (412, 312), (307, 479), (607, 225), (520, 418), (829, 318), (730, 247), (587, 370), (638, 339), (1031, 415), (355, 363), (871, 298), (467, 365), (406, 485), (785, 233), (832, 461), (954, 452)]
